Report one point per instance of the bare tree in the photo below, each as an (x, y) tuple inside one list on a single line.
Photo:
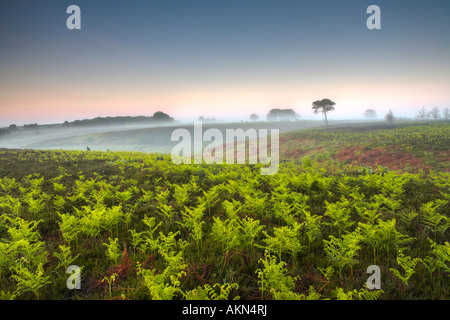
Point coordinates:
[(446, 114), (423, 114), (435, 113)]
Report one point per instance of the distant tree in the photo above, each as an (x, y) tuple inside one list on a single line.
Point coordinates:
[(370, 114), (203, 119), (282, 114), (324, 106), (446, 114), (435, 113), (422, 114), (33, 126), (254, 117), (3, 131), (66, 124), (106, 121), (12, 128), (389, 116), (161, 116)]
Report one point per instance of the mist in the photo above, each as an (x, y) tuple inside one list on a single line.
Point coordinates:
[(150, 138)]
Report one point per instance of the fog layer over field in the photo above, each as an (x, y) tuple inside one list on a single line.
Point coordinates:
[(145, 137)]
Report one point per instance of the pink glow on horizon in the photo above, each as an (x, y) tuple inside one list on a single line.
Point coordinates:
[(352, 98)]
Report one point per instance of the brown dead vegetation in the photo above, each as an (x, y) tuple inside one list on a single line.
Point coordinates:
[(392, 158)]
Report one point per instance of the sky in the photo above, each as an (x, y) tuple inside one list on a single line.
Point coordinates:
[(220, 59)]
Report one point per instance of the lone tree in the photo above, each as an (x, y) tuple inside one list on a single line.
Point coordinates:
[(324, 106), (389, 116), (282, 115), (370, 114), (254, 117), (162, 117)]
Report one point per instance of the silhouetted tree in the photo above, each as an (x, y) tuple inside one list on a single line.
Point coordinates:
[(203, 119), (324, 106), (106, 121), (161, 116), (370, 114), (282, 114), (33, 126), (254, 117), (12, 128), (389, 116), (422, 114), (435, 113), (446, 114)]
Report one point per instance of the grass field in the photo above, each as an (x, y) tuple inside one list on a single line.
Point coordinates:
[(409, 146), (141, 227), (149, 139)]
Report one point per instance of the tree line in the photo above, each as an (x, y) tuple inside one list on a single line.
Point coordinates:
[(158, 117), (434, 114), (326, 105)]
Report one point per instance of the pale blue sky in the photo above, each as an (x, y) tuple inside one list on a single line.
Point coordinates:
[(220, 58)]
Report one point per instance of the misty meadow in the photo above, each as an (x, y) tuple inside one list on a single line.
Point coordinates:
[(231, 150)]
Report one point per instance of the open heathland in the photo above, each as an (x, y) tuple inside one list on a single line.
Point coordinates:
[(140, 227)]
